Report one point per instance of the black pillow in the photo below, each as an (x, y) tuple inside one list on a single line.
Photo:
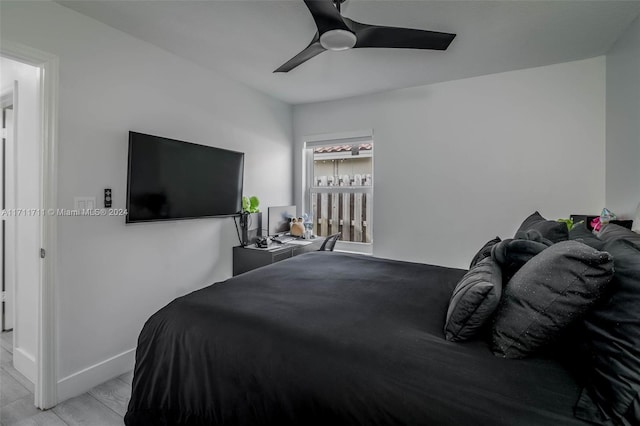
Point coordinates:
[(533, 235), (511, 254), (484, 252), (548, 294), (473, 301), (611, 232), (613, 332), (550, 229), (580, 232)]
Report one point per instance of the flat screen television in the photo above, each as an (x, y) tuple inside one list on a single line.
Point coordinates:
[(170, 180)]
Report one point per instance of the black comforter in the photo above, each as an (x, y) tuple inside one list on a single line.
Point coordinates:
[(329, 338)]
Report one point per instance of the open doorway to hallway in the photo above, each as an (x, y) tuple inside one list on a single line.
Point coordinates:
[(7, 127), (20, 229)]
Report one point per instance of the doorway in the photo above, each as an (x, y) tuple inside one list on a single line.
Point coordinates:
[(34, 194), (20, 193), (6, 273)]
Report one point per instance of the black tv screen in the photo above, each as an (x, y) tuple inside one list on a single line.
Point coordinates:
[(170, 179)]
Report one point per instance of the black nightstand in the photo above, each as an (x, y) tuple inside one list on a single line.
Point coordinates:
[(587, 220), (246, 259)]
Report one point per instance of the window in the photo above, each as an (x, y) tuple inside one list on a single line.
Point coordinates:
[(339, 190)]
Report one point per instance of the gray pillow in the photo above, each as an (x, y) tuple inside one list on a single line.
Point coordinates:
[(484, 252), (547, 294), (550, 229), (581, 233), (511, 254), (612, 328), (612, 232), (473, 301)]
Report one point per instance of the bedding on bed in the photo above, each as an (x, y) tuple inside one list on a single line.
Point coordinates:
[(330, 338)]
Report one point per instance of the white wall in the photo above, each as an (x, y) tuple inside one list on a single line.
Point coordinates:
[(458, 163), (623, 123), (112, 277), (23, 184)]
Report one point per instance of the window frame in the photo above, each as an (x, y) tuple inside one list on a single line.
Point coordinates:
[(309, 187)]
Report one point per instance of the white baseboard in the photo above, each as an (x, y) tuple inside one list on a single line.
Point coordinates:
[(80, 382), (25, 363)]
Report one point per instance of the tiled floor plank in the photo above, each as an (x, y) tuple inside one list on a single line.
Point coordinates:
[(6, 357), (18, 410), (127, 377), (114, 394), (18, 376), (44, 418), (104, 405), (85, 410), (6, 340), (11, 390)]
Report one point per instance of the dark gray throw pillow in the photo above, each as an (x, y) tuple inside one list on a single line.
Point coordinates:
[(550, 229), (484, 252), (533, 235), (612, 232), (613, 333), (580, 232), (473, 301), (547, 294), (512, 254)]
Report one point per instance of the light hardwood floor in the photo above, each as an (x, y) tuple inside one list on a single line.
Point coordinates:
[(104, 405)]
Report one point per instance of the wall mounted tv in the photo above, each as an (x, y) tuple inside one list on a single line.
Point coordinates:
[(170, 180)]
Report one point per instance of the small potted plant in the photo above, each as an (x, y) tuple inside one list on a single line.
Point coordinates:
[(250, 204), (251, 220)]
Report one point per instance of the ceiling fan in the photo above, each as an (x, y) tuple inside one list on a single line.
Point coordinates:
[(337, 32)]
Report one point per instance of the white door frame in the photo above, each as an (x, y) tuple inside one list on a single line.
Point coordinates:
[(46, 352), (8, 98)]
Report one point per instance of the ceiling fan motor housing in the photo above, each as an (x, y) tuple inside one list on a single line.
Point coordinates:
[(338, 40)]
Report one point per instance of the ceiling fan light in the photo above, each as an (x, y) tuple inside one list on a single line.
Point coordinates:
[(338, 40)]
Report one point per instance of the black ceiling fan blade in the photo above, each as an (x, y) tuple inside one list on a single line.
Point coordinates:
[(313, 49), (399, 38), (326, 15)]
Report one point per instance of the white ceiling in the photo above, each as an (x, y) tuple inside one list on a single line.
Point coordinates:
[(248, 39)]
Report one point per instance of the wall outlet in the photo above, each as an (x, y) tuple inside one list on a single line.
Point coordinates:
[(84, 203)]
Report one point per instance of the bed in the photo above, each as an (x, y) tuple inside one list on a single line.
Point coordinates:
[(331, 338)]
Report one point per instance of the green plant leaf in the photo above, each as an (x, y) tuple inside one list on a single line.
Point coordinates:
[(568, 222), (254, 202)]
